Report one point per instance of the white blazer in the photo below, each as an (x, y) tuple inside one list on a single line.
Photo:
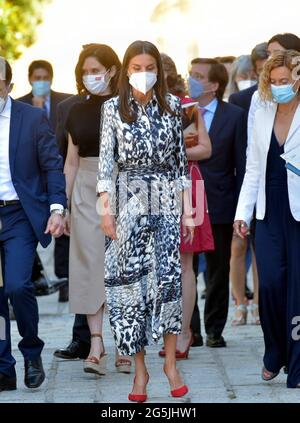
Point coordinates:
[(253, 191)]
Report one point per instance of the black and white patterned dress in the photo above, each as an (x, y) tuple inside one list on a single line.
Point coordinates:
[(142, 267)]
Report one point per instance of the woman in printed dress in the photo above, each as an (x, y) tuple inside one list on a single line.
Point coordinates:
[(142, 134)]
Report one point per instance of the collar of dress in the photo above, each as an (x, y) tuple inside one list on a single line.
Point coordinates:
[(153, 101)]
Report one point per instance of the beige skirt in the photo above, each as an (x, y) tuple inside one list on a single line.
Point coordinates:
[(87, 248)]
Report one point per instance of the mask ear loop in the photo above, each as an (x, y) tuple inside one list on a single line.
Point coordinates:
[(110, 77), (298, 90)]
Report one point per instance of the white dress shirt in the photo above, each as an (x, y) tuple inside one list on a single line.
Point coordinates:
[(7, 190)]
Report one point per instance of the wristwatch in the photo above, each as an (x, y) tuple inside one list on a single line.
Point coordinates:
[(61, 212)]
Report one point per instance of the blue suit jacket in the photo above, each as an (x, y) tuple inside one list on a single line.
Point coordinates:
[(36, 166), (223, 172), (55, 99), (243, 98)]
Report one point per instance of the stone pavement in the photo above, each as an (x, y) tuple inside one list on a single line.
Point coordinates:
[(227, 375)]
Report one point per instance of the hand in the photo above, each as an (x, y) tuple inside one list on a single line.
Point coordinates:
[(67, 230), (188, 228), (38, 101), (55, 225), (108, 226), (240, 228)]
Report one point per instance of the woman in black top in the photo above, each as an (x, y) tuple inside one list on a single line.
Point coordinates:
[(96, 75)]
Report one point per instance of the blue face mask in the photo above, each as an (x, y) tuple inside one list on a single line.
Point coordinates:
[(41, 88), (196, 88), (283, 93)]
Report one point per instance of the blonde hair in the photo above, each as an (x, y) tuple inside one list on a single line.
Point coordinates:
[(288, 59)]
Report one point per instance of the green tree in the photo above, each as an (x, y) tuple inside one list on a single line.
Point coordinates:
[(18, 22)]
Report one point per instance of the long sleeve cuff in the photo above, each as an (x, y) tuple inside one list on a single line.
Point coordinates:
[(56, 207), (183, 183), (105, 186)]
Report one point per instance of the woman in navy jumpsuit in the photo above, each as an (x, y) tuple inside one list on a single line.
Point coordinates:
[(275, 190)]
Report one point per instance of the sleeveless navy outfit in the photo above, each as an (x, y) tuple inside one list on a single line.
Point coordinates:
[(278, 263)]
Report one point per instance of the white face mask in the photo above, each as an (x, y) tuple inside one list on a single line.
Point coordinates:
[(96, 84), (246, 83), (143, 81)]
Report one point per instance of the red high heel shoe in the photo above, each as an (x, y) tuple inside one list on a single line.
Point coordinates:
[(184, 355), (180, 355), (138, 397), (180, 392)]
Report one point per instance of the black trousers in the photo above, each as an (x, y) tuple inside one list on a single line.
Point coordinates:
[(217, 288), (81, 331), (61, 260), (61, 256)]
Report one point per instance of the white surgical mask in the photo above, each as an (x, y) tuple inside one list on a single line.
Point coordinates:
[(143, 81), (246, 83), (96, 84)]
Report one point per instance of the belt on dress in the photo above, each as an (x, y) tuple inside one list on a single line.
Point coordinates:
[(151, 168), (4, 203)]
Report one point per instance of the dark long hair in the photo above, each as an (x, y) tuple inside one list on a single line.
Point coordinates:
[(136, 48), (106, 56), (287, 40)]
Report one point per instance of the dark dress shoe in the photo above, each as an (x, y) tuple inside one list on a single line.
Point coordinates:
[(7, 383), (73, 351), (197, 340), (41, 286), (63, 296), (44, 286), (213, 342), (34, 373)]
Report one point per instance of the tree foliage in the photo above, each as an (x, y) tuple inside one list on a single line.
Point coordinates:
[(18, 23)]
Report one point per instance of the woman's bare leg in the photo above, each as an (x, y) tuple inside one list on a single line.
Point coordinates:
[(141, 374), (173, 375), (238, 268), (95, 322), (188, 300)]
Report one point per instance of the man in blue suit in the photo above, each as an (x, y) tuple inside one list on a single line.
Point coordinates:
[(32, 204), (223, 175), (40, 76)]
